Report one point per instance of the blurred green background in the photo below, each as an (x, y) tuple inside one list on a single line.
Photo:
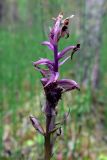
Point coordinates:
[(24, 25)]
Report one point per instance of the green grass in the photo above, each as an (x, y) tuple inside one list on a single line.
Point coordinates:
[(18, 48)]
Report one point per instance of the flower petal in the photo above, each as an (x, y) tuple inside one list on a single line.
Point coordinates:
[(50, 46), (68, 85), (44, 72), (56, 35), (43, 61), (57, 26), (53, 78), (55, 31), (61, 63), (63, 52), (44, 81)]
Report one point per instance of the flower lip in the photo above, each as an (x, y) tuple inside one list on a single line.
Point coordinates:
[(77, 47)]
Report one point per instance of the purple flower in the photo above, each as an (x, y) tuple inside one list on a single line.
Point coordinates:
[(53, 86), (51, 74)]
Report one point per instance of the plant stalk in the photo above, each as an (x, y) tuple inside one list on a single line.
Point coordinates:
[(50, 124), (56, 58)]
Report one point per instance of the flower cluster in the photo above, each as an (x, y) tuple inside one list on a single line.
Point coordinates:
[(53, 86)]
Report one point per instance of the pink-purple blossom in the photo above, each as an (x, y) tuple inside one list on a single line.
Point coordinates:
[(53, 86), (51, 74)]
